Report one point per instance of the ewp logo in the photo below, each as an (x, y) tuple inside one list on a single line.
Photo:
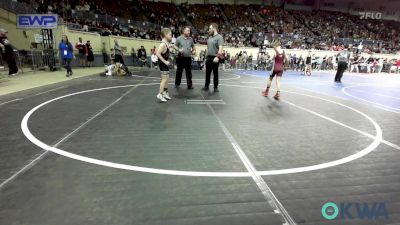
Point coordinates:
[(374, 211), (33, 21)]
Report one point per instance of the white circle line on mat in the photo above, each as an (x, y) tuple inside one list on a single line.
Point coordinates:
[(33, 139), (382, 106)]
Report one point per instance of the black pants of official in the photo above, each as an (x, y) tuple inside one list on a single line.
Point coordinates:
[(105, 58), (342, 66), (120, 59), (184, 63), (211, 67), (12, 65), (67, 65)]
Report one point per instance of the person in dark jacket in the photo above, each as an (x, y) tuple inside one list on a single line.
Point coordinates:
[(66, 53), (118, 53), (89, 54), (142, 55), (7, 52)]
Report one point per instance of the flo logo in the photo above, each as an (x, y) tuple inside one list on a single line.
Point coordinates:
[(370, 15), (371, 211)]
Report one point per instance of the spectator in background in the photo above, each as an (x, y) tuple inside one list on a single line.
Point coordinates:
[(7, 52), (379, 65), (154, 59), (354, 63), (370, 64), (104, 52), (112, 55), (307, 69), (359, 49), (106, 32), (85, 28), (173, 39), (133, 54), (66, 54), (118, 53), (42, 7), (142, 55), (81, 51), (89, 53), (309, 30), (398, 65)]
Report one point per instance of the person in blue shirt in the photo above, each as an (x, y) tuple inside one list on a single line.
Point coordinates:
[(66, 53)]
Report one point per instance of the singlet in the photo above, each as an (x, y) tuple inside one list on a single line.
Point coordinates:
[(279, 61), (165, 55)]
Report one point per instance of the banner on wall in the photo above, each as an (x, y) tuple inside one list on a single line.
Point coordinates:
[(37, 21)]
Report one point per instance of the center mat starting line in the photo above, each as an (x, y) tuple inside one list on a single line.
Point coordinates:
[(204, 102)]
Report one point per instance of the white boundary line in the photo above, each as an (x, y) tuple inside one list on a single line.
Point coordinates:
[(364, 133), (54, 89), (292, 78), (184, 79), (23, 169), (361, 132), (388, 108), (371, 93), (374, 104), (359, 85), (367, 150), (14, 100), (205, 103), (33, 139), (260, 182), (333, 96), (41, 156), (205, 100), (369, 135), (19, 99)]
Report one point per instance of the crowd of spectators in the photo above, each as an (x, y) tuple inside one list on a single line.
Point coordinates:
[(241, 25), (358, 64)]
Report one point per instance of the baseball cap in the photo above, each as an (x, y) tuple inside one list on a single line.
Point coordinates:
[(2, 30)]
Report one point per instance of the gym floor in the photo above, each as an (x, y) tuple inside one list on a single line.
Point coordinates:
[(101, 150)]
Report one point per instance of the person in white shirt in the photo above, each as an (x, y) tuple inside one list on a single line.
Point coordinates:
[(379, 66), (173, 39), (354, 64), (85, 28), (154, 59), (359, 48)]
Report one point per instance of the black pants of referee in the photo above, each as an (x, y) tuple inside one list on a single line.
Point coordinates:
[(211, 67), (12, 65), (342, 66), (119, 58), (184, 63)]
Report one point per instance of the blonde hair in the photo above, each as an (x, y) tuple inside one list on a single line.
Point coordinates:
[(165, 31), (276, 44)]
